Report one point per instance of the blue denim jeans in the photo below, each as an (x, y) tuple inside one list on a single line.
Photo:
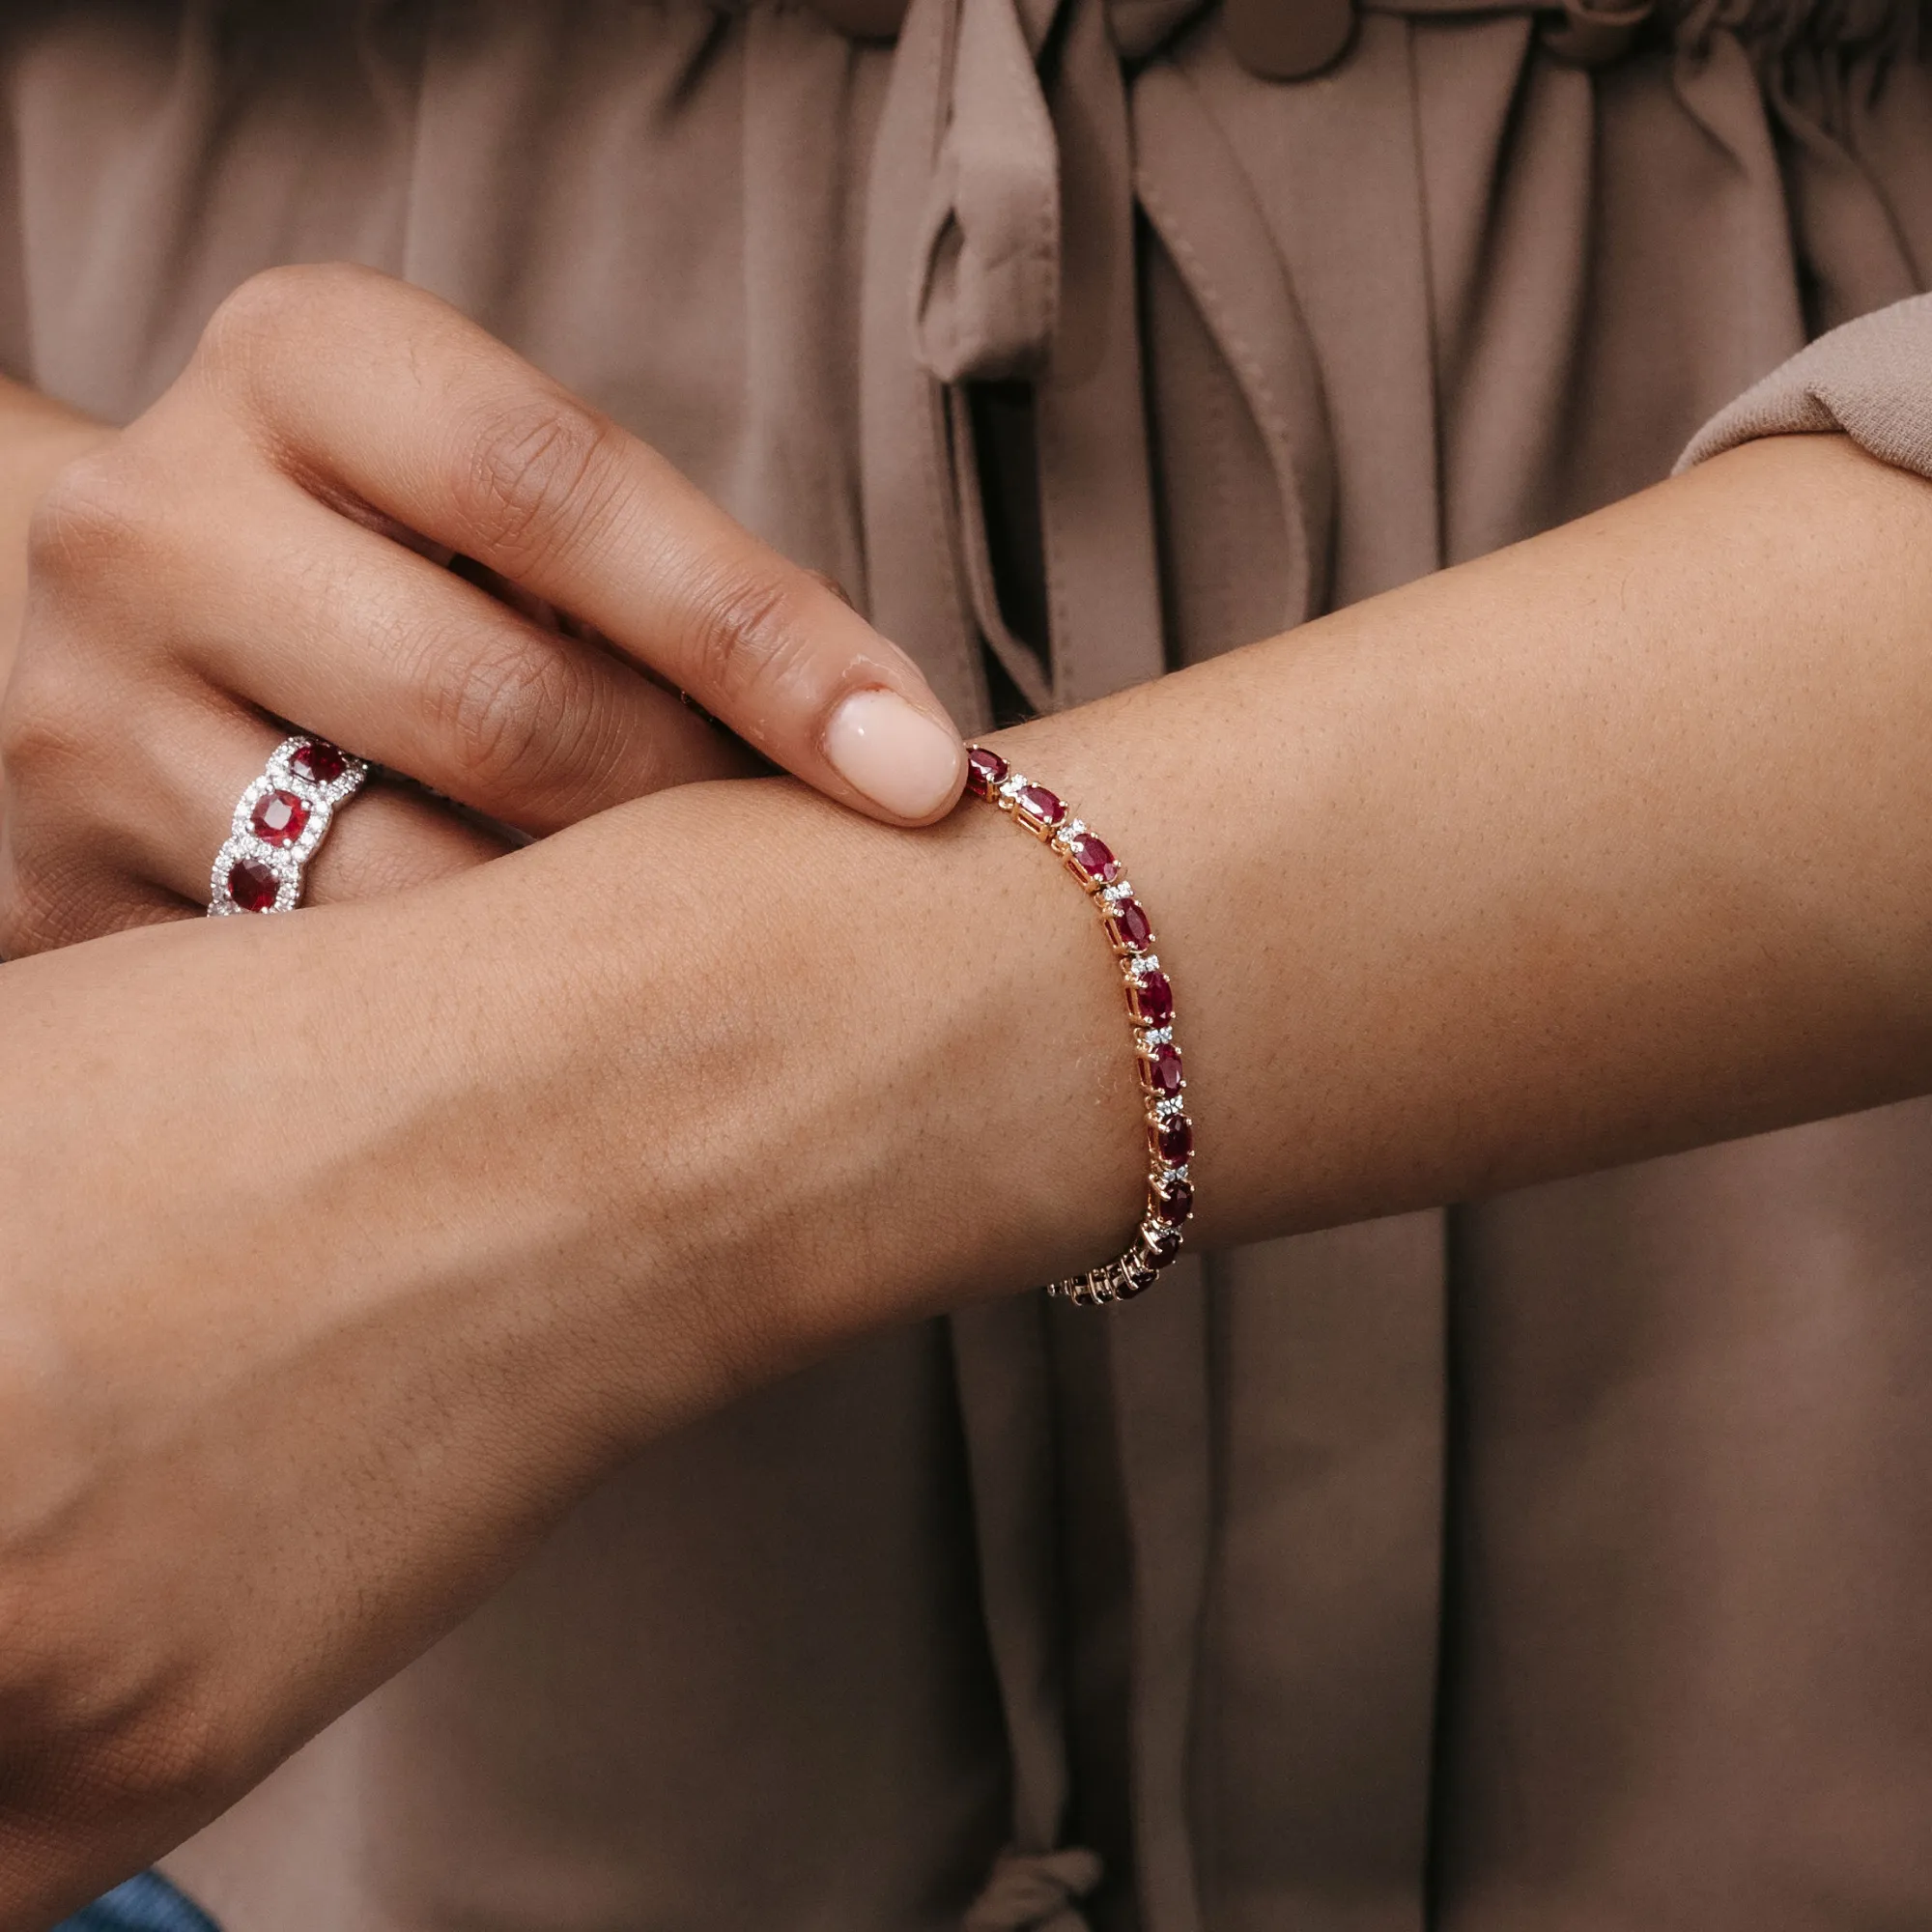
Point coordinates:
[(145, 1904)]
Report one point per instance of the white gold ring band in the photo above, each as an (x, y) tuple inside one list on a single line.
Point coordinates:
[(280, 821)]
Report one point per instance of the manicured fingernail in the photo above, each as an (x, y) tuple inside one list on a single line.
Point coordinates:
[(903, 762)]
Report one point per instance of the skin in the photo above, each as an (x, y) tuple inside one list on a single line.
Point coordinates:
[(338, 1254), (38, 440), (269, 541)]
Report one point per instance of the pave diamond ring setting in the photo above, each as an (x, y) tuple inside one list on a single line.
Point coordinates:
[(279, 823)]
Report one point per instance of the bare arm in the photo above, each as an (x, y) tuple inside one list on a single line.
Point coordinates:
[(337, 1254)]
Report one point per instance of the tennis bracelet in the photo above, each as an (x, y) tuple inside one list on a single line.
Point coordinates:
[(1169, 1133)]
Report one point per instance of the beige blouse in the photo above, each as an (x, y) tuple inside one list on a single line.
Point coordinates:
[(1554, 1564)]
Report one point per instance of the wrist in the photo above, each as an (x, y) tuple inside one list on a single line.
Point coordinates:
[(893, 1068)]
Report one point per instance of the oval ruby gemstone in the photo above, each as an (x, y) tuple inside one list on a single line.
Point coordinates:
[(1152, 998), (1175, 1205), (985, 772), (320, 764), (253, 886), (1040, 805), (1093, 858), (1164, 1070), (1175, 1139), (1130, 926), (278, 818)]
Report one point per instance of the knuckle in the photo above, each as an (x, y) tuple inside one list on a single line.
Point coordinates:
[(89, 1737), (169, 1751), (41, 730), (532, 471), (752, 638), (259, 315), (61, 880), (510, 715), (251, 319), (94, 513)]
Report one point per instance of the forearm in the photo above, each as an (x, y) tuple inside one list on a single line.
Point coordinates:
[(1614, 842), (415, 1216), (337, 1255)]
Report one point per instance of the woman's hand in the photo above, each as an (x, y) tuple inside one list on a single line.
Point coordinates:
[(266, 546)]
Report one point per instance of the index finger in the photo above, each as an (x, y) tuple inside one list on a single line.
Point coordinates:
[(365, 385)]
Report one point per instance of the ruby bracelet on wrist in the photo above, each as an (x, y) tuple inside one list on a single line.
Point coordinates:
[(1149, 998)]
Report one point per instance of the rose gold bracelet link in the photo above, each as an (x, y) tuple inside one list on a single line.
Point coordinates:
[(1150, 1004)]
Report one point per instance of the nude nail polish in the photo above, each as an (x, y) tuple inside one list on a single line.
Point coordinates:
[(904, 761)]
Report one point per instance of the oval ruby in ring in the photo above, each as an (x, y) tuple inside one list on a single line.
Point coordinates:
[(253, 885), (319, 762), (280, 818), (986, 771)]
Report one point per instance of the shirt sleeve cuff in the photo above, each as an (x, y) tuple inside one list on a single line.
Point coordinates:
[(1870, 380)]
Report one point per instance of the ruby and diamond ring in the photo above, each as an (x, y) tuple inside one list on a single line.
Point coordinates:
[(1149, 998), (281, 819)]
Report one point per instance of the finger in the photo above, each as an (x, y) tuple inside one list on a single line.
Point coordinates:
[(188, 771), (391, 838), (368, 387), (53, 896), (319, 622), (72, 827)]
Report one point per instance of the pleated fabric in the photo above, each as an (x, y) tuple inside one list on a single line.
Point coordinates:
[(1554, 1561)]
